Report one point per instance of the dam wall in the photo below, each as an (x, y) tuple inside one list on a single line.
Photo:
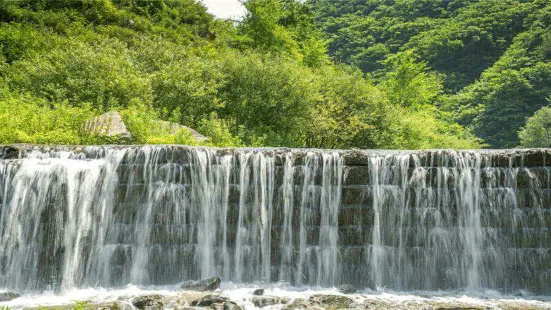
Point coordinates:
[(152, 215)]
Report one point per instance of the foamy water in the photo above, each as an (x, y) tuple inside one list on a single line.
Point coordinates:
[(242, 295)]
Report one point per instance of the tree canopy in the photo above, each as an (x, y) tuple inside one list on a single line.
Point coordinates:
[(325, 74), (493, 56)]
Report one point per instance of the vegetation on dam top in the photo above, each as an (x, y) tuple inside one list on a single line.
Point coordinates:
[(322, 74)]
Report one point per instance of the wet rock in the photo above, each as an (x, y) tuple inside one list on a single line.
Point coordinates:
[(355, 158), (332, 301), (230, 305), (148, 302), (7, 296), (301, 303), (9, 152), (185, 298), (356, 175), (347, 289), (211, 284), (258, 292), (265, 301), (109, 125), (207, 301)]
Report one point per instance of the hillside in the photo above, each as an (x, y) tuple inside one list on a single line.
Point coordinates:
[(493, 56), (265, 81)]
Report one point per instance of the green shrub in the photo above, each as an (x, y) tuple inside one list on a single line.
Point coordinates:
[(26, 119)]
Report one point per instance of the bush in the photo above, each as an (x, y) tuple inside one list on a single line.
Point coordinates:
[(102, 75), (27, 119)]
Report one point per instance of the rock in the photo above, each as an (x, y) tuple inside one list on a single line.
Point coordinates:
[(7, 296), (299, 303), (355, 158), (258, 292), (332, 301), (9, 152), (230, 305), (109, 125), (148, 301), (207, 301), (211, 284), (175, 128), (265, 301), (459, 308), (380, 304), (347, 289), (116, 305)]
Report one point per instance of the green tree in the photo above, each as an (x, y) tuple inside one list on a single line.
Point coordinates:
[(408, 82), (347, 112), (187, 91), (537, 131), (262, 26), (266, 99), (284, 27), (101, 75)]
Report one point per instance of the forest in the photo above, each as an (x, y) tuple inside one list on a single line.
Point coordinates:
[(385, 74)]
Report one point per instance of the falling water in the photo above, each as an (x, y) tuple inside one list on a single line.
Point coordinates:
[(152, 215)]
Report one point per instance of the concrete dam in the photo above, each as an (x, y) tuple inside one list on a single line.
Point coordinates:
[(107, 216)]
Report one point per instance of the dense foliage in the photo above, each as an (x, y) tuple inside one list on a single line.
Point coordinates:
[(267, 80), (493, 56), (537, 132)]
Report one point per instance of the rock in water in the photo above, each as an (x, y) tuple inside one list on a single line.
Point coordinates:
[(211, 284), (332, 301), (9, 152), (207, 301), (230, 305), (347, 289), (7, 296), (266, 301), (148, 301), (299, 303), (109, 125), (258, 292)]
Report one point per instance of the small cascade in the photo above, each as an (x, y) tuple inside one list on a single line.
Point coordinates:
[(108, 216)]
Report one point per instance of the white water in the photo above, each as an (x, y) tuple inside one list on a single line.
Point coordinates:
[(108, 216), (242, 295)]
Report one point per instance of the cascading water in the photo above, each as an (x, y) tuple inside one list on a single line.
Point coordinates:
[(153, 215)]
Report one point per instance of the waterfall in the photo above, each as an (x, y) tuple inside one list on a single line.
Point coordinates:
[(152, 215)]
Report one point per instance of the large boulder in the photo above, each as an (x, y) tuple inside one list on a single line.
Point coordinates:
[(148, 301), (175, 128), (109, 125), (7, 296), (211, 284), (258, 292)]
